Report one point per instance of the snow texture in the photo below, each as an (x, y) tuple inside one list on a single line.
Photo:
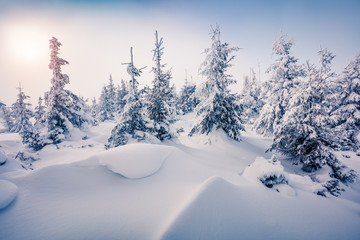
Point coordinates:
[(135, 161), (8, 192)]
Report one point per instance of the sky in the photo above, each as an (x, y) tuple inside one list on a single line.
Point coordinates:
[(97, 36)]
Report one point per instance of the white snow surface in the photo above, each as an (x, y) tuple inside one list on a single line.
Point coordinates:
[(135, 160), (204, 187), (8, 192)]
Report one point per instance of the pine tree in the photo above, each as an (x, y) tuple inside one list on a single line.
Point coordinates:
[(21, 114), (121, 93), (39, 113), (304, 131), (187, 99), (6, 115), (133, 123), (284, 79), (63, 107), (218, 109), (107, 102), (250, 97), (161, 101), (345, 115)]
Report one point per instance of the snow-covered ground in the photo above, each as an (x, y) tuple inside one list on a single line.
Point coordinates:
[(189, 188)]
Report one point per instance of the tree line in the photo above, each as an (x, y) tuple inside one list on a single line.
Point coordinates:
[(310, 111)]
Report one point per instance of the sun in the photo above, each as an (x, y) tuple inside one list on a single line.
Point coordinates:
[(26, 43)]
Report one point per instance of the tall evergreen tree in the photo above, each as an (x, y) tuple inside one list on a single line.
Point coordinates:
[(285, 77), (133, 122), (218, 109), (63, 109), (345, 115), (161, 101), (304, 131)]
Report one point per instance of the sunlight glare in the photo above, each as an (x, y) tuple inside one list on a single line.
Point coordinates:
[(27, 44)]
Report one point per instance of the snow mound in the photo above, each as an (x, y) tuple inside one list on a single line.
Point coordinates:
[(3, 158), (209, 214), (135, 161), (8, 192), (269, 172)]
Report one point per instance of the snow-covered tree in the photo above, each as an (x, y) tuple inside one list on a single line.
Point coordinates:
[(39, 112), (187, 98), (21, 113), (345, 115), (63, 109), (304, 132), (219, 108), (250, 97), (4, 111), (121, 93), (284, 79), (107, 102), (133, 122), (161, 100)]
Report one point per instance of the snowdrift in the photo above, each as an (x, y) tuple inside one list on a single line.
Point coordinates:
[(8, 192), (135, 161), (221, 210)]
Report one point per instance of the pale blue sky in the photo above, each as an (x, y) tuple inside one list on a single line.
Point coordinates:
[(97, 35)]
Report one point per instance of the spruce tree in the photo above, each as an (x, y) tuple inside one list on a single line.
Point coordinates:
[(39, 113), (121, 93), (219, 108), (304, 132), (161, 101), (187, 99), (6, 115), (284, 79), (132, 122), (345, 116), (21, 114), (250, 97), (64, 110), (107, 102)]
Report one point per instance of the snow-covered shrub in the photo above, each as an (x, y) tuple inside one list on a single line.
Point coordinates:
[(269, 172), (26, 158), (269, 180)]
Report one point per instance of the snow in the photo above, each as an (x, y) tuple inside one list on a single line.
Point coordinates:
[(202, 187), (221, 210), (135, 161), (8, 192)]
